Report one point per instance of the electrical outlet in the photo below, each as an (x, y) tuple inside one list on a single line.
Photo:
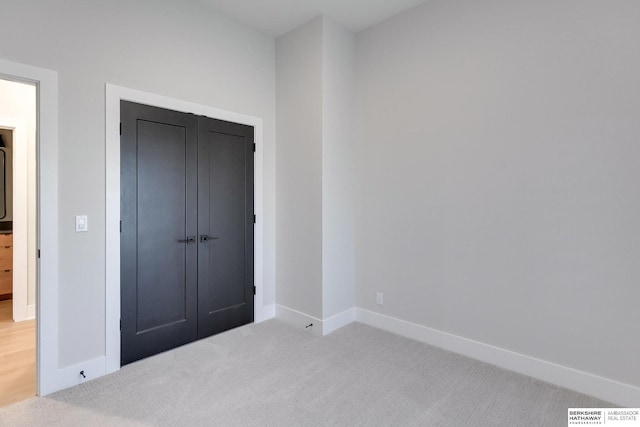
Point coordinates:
[(379, 298)]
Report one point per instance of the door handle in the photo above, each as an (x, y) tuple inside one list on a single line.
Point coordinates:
[(189, 239), (205, 238)]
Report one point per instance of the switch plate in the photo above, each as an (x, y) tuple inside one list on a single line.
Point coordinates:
[(379, 298), (82, 224)]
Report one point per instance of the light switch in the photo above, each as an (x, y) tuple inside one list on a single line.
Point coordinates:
[(82, 224)]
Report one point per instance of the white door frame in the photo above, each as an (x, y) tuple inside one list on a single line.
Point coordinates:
[(114, 94), (46, 81)]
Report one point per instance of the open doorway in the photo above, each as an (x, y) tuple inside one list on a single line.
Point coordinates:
[(18, 240)]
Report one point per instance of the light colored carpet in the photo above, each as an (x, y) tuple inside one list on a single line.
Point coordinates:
[(271, 374)]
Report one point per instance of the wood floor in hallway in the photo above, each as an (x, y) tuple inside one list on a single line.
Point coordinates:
[(17, 357)]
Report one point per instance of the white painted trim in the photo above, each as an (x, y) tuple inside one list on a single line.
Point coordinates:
[(112, 229), (603, 388), (20, 221), (113, 96), (70, 375), (20, 214), (31, 311), (337, 321), (320, 327), (48, 376), (299, 320)]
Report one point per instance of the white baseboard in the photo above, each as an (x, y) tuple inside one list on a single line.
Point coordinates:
[(265, 313), (70, 376), (24, 312), (320, 327), (625, 395), (31, 311), (612, 391), (337, 321), (299, 319)]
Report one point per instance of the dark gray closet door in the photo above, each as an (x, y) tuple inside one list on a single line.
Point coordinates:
[(187, 228), (225, 226), (159, 228)]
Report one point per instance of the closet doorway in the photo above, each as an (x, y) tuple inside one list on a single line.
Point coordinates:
[(187, 238)]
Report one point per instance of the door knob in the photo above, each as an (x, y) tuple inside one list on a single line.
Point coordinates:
[(189, 239), (205, 238)]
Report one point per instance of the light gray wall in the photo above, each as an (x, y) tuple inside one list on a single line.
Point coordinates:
[(338, 173), (499, 190), (173, 48), (299, 174)]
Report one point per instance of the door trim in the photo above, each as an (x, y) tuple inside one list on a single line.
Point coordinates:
[(114, 94), (49, 376)]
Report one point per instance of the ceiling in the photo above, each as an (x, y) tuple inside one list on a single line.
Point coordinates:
[(276, 17)]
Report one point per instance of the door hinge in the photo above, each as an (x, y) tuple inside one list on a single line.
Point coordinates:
[(38, 253), (254, 290), (121, 226), (254, 219), (120, 128), (120, 324), (254, 147)]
